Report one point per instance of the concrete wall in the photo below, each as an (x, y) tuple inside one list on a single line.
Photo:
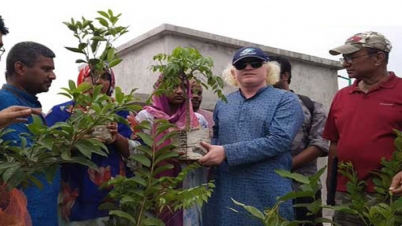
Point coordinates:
[(312, 76)]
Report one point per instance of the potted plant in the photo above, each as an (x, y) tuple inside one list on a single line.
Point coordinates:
[(140, 200), (183, 66), (95, 43)]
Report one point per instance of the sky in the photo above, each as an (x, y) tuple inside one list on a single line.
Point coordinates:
[(309, 27)]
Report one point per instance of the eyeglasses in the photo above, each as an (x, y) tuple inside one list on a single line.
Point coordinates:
[(349, 59), (243, 64), (2, 50)]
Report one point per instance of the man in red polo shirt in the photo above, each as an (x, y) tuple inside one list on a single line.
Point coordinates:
[(362, 116)]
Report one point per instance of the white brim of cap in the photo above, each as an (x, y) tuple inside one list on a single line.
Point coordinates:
[(344, 49)]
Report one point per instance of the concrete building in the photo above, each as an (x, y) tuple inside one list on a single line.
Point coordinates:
[(312, 76)]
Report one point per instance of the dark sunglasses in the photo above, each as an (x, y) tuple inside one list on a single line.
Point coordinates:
[(243, 64)]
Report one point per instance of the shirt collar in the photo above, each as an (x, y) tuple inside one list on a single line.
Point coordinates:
[(389, 83), (22, 94), (256, 94)]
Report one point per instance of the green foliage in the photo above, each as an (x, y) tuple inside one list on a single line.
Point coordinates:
[(385, 210), (271, 217), (64, 142), (182, 66), (95, 41), (143, 197), (383, 177)]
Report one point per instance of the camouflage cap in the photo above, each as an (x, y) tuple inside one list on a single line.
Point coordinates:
[(369, 39)]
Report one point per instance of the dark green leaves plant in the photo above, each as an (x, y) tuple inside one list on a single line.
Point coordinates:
[(385, 210), (95, 41), (271, 217), (143, 197), (64, 142), (183, 65)]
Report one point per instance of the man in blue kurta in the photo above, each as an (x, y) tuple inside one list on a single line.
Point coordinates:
[(252, 136), (29, 71)]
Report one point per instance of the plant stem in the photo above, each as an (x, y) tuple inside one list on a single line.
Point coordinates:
[(152, 168)]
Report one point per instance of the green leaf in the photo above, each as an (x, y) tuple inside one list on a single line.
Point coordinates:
[(316, 177), (80, 61), (35, 181), (83, 87), (71, 85), (145, 138), (94, 46), (122, 214), (103, 14), (139, 180), (252, 210), (51, 172), (46, 142), (66, 155), (76, 50), (293, 195), (141, 159), (119, 95), (103, 21), (6, 165), (166, 156), (146, 149), (110, 54), (162, 169), (98, 38), (84, 147), (82, 46), (93, 61), (153, 222), (115, 62), (110, 12), (295, 176), (9, 172), (85, 162)]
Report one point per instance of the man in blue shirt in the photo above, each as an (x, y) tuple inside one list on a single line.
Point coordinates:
[(29, 71), (252, 137)]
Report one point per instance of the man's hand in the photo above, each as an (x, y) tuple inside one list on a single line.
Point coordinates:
[(396, 184), (16, 114), (215, 156)]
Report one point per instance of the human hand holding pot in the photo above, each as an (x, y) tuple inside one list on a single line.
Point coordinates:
[(215, 156)]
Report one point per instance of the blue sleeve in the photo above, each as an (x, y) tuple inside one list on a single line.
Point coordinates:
[(56, 114), (123, 129), (16, 128), (284, 126)]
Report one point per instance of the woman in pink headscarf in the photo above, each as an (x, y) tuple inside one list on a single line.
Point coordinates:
[(172, 108)]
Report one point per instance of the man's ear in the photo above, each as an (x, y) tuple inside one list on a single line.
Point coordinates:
[(236, 83), (19, 68), (380, 58)]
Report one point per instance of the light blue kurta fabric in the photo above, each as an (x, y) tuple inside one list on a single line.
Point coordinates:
[(256, 134)]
